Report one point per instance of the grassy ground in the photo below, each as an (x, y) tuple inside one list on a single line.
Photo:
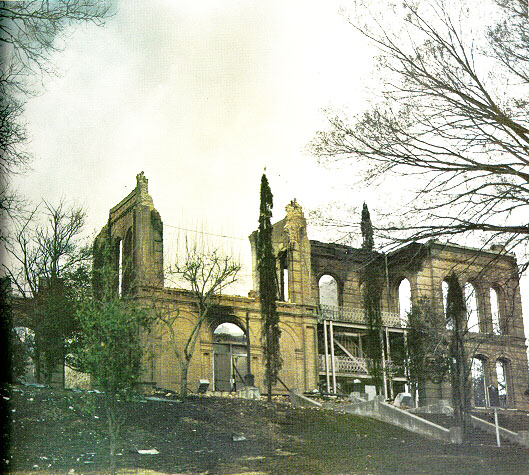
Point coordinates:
[(59, 432)]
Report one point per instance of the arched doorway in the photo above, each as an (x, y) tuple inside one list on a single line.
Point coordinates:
[(229, 357), (502, 369), (478, 382)]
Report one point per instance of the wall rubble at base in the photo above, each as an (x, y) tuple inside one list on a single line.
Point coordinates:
[(298, 400)]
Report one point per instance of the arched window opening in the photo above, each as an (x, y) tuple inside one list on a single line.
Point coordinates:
[(230, 357), (229, 332), (127, 264), (24, 346), (404, 301), (120, 266), (478, 382), (501, 376), (495, 312), (328, 291), (471, 303), (444, 290), (283, 277)]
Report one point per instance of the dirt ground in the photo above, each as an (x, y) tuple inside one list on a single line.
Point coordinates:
[(61, 432)]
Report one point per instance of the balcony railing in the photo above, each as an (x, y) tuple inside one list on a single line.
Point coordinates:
[(357, 365), (356, 315), (345, 364)]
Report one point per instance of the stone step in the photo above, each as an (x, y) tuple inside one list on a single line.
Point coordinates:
[(475, 436)]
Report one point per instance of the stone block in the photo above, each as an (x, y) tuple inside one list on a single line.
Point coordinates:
[(249, 392)]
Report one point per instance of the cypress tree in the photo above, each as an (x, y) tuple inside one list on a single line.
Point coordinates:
[(371, 295), (266, 267), (367, 230)]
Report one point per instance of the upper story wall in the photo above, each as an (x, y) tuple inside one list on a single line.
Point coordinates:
[(344, 264), (485, 270), (293, 257), (427, 266), (135, 231)]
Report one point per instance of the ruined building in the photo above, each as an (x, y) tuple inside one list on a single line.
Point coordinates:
[(323, 326)]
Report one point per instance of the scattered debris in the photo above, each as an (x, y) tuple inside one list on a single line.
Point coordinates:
[(86, 458), (188, 420), (160, 399), (148, 451), (284, 452), (253, 458), (33, 385)]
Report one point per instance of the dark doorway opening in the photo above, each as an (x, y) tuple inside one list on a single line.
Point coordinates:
[(230, 354)]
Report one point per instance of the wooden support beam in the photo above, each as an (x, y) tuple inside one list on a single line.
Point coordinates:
[(326, 345), (344, 349), (332, 359)]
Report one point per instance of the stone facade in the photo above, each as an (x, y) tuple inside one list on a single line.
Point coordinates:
[(321, 343)]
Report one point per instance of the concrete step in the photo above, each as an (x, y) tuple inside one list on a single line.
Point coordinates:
[(514, 422)]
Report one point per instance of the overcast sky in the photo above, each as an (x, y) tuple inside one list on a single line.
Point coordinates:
[(201, 96)]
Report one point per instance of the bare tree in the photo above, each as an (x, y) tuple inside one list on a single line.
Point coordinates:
[(43, 257), (30, 31), (453, 118), (205, 273), (46, 251)]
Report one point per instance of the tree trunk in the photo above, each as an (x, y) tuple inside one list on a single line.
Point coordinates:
[(183, 378), (413, 391), (37, 360), (113, 431)]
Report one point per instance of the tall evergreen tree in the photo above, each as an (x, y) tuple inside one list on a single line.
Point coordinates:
[(372, 281), (367, 230), (266, 266), (428, 345), (459, 367)]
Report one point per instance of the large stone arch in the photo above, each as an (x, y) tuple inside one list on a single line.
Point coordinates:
[(229, 356)]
